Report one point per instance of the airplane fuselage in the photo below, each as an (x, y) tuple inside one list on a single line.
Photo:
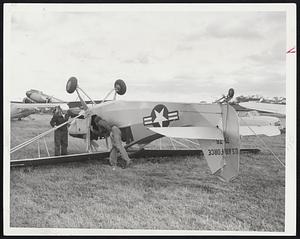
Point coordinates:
[(35, 96), (134, 117)]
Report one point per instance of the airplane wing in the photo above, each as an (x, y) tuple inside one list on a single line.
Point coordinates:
[(190, 132), (22, 110), (64, 106), (268, 130), (272, 108)]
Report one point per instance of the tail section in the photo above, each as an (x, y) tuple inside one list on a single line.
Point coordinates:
[(220, 143), (213, 151), (223, 156), (231, 143)]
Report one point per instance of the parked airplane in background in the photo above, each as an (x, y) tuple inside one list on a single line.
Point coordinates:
[(19, 110), (33, 103), (36, 96), (37, 101)]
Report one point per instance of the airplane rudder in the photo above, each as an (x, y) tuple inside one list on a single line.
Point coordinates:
[(231, 143)]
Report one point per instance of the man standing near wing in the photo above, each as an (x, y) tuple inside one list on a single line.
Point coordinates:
[(60, 134), (105, 130)]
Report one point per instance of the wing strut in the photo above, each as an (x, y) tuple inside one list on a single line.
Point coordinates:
[(39, 151), (22, 145), (46, 147)]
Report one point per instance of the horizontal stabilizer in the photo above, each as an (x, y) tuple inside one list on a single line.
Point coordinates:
[(272, 108), (257, 130), (190, 132)]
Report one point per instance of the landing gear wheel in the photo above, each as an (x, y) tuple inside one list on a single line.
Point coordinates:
[(71, 85), (120, 87), (230, 92)]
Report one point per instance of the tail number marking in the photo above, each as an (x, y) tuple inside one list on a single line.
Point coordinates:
[(227, 151), (226, 140)]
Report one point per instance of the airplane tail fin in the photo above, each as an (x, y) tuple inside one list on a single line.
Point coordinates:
[(220, 145), (223, 156), (232, 143)]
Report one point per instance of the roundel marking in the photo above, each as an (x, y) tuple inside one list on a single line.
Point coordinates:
[(160, 117)]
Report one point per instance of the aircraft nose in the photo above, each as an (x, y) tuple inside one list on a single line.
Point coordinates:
[(28, 93)]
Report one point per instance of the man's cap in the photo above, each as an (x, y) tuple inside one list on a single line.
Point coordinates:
[(56, 108)]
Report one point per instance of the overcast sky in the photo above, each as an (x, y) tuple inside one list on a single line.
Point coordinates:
[(161, 55)]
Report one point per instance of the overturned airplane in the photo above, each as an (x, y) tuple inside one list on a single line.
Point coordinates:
[(215, 126)]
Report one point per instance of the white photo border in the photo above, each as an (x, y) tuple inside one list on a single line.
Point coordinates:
[(290, 174)]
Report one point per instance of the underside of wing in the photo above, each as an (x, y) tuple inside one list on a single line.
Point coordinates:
[(256, 130), (190, 132)]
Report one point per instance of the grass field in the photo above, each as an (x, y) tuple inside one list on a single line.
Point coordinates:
[(154, 193)]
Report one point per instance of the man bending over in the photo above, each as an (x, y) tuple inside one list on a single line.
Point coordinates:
[(105, 130)]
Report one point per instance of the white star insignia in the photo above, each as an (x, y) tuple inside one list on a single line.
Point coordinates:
[(159, 117)]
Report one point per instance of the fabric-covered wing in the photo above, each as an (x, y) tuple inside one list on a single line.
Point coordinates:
[(190, 132)]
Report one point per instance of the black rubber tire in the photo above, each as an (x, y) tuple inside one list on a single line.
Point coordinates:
[(231, 92), (71, 85), (120, 87)]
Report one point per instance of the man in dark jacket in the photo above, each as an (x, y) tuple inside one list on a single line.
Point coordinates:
[(104, 130), (60, 134)]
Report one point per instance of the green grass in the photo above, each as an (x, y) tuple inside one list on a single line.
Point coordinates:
[(154, 193)]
